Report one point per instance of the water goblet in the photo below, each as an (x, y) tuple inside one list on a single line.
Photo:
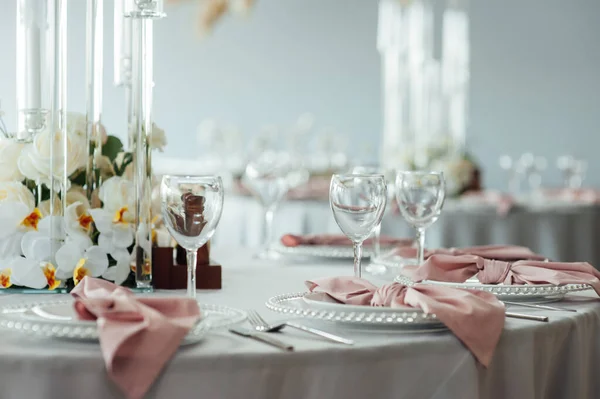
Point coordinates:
[(389, 175), (358, 202), (269, 178), (191, 208), (420, 197)]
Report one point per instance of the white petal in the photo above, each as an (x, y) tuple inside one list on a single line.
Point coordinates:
[(28, 273), (83, 241), (122, 236), (96, 260), (66, 259), (123, 267), (11, 216), (102, 219), (36, 246), (11, 245), (51, 222), (105, 242), (110, 273)]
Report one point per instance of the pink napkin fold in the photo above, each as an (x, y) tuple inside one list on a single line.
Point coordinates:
[(292, 240), (502, 202), (460, 268), (475, 317), (138, 336), (498, 252)]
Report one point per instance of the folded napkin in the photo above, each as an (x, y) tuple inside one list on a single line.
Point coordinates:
[(475, 317), (137, 335), (502, 202), (497, 252), (460, 268), (291, 240)]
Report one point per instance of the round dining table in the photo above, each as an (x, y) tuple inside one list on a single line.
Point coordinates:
[(560, 230), (557, 359)]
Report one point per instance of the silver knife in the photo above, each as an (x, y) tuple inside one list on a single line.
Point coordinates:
[(536, 306), (262, 337), (320, 333), (527, 316)]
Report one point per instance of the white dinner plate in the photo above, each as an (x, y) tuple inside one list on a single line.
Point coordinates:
[(321, 307), (515, 293), (57, 319)]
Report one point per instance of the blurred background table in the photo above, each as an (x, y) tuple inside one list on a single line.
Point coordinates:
[(561, 231)]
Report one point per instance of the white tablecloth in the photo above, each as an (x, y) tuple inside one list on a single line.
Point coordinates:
[(560, 359), (565, 232)]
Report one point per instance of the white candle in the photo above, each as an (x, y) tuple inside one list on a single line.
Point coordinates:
[(33, 66)]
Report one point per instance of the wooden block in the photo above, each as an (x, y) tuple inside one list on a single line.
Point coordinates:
[(169, 274)]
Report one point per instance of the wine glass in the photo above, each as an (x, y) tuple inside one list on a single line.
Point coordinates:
[(389, 175), (191, 208), (420, 197), (269, 177), (358, 202)]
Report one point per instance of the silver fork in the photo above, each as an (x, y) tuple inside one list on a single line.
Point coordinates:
[(259, 324)]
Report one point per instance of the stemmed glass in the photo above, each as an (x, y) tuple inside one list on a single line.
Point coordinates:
[(358, 202), (269, 178), (389, 176), (191, 208), (420, 197)]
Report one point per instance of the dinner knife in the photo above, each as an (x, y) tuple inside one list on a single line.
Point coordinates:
[(262, 337)]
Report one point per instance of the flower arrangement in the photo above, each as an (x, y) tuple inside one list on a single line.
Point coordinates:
[(98, 231), (461, 171)]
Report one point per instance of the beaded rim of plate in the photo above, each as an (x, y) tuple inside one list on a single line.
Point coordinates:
[(279, 304), (545, 290), (320, 251), (216, 316)]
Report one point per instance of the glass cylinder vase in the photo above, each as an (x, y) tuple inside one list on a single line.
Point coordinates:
[(142, 14)]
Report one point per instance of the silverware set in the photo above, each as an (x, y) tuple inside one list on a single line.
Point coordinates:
[(260, 330)]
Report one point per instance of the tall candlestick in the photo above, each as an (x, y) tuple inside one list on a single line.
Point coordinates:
[(32, 30), (94, 66)]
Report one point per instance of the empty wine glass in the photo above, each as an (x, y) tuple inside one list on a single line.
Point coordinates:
[(269, 177), (512, 168), (191, 208), (389, 176), (420, 197), (358, 202)]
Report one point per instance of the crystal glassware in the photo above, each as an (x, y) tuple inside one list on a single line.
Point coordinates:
[(420, 197), (269, 177), (358, 202), (191, 208), (389, 175)]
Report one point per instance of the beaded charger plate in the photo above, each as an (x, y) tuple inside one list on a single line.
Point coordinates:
[(523, 293), (57, 319), (321, 307), (320, 251)]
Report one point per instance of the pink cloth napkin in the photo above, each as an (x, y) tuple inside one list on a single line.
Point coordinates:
[(582, 195), (475, 317), (460, 268), (138, 336), (498, 252), (502, 202), (291, 240)]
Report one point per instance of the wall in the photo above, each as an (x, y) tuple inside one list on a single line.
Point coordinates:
[(535, 81)]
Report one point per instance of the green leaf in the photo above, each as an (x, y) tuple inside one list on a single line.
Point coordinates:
[(112, 147)]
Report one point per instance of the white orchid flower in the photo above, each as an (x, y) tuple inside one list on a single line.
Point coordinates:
[(121, 270), (34, 274), (16, 218), (78, 223), (73, 259)]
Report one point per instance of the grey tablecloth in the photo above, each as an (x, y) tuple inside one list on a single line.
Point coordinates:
[(560, 359), (560, 231)]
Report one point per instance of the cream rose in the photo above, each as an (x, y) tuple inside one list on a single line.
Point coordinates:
[(458, 173), (16, 192), (75, 194), (34, 161), (158, 139), (77, 126), (9, 157)]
